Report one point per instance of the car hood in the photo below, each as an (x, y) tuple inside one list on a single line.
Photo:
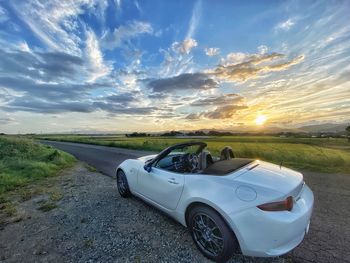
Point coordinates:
[(275, 177), (147, 157)]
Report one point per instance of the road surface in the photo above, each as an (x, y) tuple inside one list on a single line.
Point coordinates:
[(104, 159), (329, 236)]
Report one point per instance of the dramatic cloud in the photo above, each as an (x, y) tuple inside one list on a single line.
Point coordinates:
[(129, 60), (223, 106), (95, 58), (221, 112), (185, 46), (212, 51), (239, 67), (125, 33), (286, 25), (187, 81)]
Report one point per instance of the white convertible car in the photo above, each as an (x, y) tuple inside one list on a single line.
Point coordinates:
[(227, 203)]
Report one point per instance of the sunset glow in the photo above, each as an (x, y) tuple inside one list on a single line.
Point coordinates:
[(260, 119), (117, 66)]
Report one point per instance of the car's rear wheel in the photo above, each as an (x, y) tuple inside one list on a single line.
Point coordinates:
[(122, 183), (211, 234)]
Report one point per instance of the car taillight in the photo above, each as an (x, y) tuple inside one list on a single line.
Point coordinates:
[(284, 205)]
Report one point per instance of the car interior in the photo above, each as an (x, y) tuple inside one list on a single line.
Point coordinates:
[(202, 162)]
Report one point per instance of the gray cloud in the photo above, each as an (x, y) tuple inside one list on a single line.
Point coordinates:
[(42, 106), (218, 100), (44, 66), (125, 33), (50, 82), (187, 81), (221, 112), (6, 120), (112, 108)]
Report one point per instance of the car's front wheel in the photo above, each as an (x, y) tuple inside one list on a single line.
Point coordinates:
[(122, 183), (211, 234)]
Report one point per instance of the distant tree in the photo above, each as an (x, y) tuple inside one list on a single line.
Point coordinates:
[(348, 132), (136, 134), (172, 133)]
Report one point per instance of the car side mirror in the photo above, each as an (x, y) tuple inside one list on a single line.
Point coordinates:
[(148, 168)]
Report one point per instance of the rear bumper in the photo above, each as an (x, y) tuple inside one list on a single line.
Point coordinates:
[(268, 234)]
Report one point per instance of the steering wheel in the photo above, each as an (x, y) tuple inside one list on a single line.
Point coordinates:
[(193, 162)]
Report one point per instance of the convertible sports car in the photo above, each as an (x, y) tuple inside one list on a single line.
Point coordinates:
[(227, 203)]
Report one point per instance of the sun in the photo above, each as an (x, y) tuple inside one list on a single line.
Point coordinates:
[(260, 119)]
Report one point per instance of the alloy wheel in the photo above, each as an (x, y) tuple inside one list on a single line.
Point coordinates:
[(207, 234)]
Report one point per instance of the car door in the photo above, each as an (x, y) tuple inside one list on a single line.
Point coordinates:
[(161, 186)]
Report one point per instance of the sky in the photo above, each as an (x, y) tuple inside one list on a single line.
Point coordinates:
[(117, 66)]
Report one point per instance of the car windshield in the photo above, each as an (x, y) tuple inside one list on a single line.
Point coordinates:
[(176, 154)]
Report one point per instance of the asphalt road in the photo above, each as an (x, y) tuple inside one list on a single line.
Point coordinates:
[(104, 159), (329, 236)]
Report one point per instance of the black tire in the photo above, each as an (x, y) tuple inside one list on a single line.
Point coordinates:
[(213, 238), (122, 184)]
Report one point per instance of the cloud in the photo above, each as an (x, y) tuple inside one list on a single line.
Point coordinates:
[(125, 33), (262, 49), (6, 120), (239, 67), (196, 14), (118, 3), (40, 66), (95, 58), (230, 98), (187, 81), (212, 51), (286, 25), (44, 106), (53, 82), (54, 22), (221, 112), (23, 46), (222, 106), (185, 46), (3, 15)]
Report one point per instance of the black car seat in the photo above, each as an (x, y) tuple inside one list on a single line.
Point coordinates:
[(205, 160), (226, 153)]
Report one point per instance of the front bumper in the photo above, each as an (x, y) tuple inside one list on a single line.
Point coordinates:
[(267, 234)]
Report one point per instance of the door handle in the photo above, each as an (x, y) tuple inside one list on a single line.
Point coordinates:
[(172, 181)]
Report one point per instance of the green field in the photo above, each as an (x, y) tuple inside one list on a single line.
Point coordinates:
[(314, 154), (23, 161)]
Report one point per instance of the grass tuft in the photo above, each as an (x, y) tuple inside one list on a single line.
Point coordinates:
[(47, 206)]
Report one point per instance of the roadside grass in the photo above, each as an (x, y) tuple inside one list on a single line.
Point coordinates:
[(313, 154), (24, 161)]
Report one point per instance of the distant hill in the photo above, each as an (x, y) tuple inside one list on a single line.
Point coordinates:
[(326, 127)]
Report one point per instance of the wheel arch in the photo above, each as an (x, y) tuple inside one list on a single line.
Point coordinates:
[(119, 169)]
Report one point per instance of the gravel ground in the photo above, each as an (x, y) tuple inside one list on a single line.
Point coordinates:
[(92, 223)]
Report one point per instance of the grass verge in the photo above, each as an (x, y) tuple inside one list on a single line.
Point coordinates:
[(24, 161)]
